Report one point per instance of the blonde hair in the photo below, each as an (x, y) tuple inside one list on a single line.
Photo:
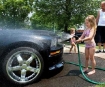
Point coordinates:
[(103, 2), (92, 20), (72, 29)]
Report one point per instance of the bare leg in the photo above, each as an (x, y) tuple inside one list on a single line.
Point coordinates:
[(87, 59), (99, 48), (71, 48), (75, 48), (103, 45), (93, 62), (99, 45)]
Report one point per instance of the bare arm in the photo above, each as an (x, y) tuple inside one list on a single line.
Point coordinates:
[(97, 18), (91, 35), (82, 36)]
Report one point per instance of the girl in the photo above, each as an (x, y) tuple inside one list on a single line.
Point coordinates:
[(88, 38), (72, 40)]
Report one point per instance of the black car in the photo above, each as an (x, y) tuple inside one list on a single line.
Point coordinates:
[(25, 54)]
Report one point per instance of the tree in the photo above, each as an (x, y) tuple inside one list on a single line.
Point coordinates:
[(59, 14), (14, 12), (63, 13)]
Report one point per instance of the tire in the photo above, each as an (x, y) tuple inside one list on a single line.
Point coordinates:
[(23, 65)]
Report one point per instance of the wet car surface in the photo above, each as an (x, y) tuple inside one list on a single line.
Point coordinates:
[(69, 76), (26, 54)]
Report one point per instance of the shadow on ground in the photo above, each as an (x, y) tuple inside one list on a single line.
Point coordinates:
[(47, 75)]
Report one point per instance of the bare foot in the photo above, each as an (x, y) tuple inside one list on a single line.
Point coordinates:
[(86, 69), (91, 72)]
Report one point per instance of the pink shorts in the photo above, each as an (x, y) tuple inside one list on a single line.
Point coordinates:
[(90, 45)]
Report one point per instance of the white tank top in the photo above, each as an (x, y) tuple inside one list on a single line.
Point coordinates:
[(101, 19)]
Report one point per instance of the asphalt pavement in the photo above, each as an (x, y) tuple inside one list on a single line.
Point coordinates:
[(69, 75)]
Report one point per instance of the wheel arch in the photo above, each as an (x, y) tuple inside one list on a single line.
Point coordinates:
[(43, 52), (15, 45)]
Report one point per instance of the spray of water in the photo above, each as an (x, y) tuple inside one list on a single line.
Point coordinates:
[(62, 36)]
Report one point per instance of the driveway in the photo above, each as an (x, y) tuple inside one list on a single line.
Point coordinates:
[(69, 76)]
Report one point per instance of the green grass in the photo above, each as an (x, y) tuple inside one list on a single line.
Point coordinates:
[(100, 86), (81, 44)]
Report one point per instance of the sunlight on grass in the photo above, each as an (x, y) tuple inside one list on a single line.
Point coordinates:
[(81, 44), (100, 86)]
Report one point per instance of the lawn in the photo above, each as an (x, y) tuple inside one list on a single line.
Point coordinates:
[(100, 86), (81, 44)]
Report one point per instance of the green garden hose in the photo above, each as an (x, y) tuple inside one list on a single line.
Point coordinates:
[(80, 66)]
